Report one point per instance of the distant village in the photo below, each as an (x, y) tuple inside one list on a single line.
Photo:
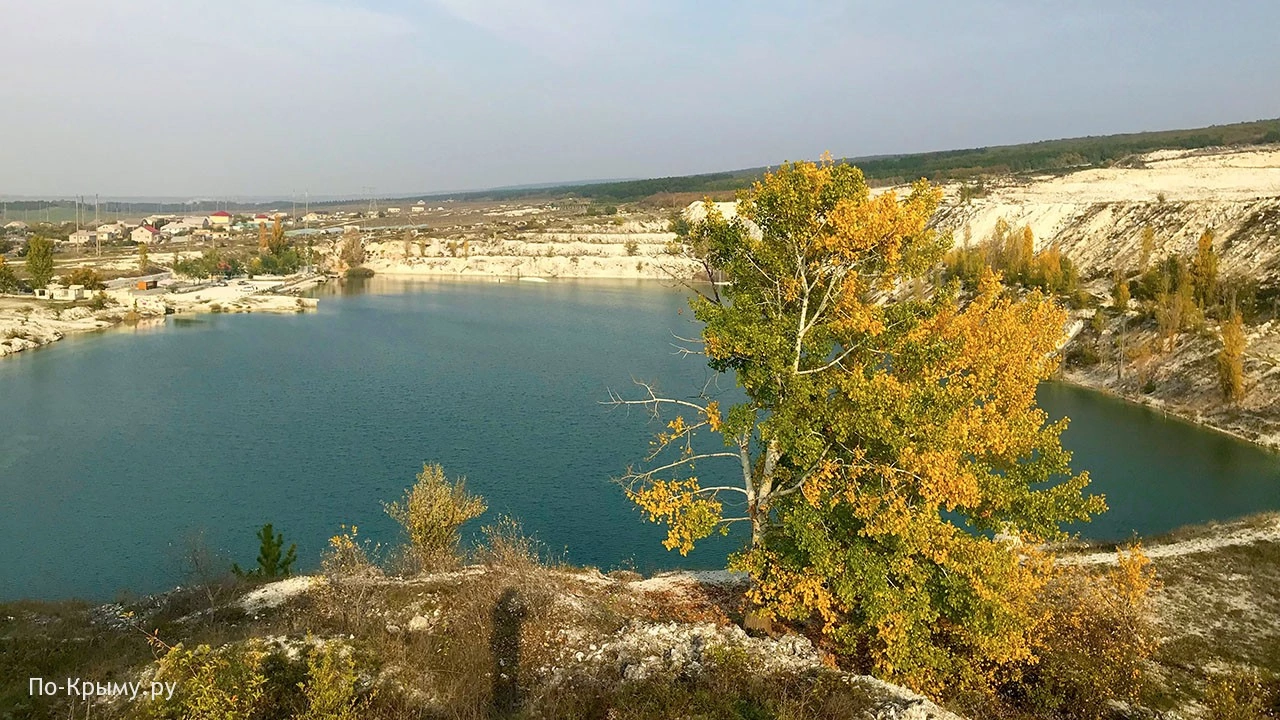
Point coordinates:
[(158, 228)]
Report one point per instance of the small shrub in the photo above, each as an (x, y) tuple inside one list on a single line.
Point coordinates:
[(506, 546), (1081, 299), (344, 595), (228, 682), (359, 272), (347, 555), (1095, 641), (969, 191), (1242, 696), (432, 512), (632, 247), (1083, 355), (330, 688)]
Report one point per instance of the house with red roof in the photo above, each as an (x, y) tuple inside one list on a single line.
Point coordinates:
[(145, 234), (221, 219)]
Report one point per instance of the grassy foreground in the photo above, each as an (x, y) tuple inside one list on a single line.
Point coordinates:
[(511, 636)]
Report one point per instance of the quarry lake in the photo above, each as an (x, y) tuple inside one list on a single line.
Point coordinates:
[(117, 448)]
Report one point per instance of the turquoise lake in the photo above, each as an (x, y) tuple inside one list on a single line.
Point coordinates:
[(117, 447)]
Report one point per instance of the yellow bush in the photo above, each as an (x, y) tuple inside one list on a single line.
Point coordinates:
[(432, 512), (1094, 638)]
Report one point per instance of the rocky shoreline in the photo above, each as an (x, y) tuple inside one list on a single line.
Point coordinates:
[(28, 323)]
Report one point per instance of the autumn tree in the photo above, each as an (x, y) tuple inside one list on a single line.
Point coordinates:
[(881, 445), (1121, 291), (1148, 246), (144, 260), (1231, 358), (276, 243), (1204, 270), (352, 253), (40, 261), (1175, 301)]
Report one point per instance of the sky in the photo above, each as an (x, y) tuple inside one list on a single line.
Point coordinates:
[(249, 98)]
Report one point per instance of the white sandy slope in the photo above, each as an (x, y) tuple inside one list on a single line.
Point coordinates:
[(1096, 216), (632, 249)]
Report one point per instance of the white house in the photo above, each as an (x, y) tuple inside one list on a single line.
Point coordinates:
[(145, 234), (419, 207), (17, 225), (314, 217), (393, 211), (177, 227), (73, 292), (196, 221), (82, 237)]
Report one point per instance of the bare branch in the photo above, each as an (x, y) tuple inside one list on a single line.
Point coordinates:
[(647, 474), (831, 364), (653, 400)]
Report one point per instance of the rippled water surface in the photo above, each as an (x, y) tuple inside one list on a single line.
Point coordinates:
[(117, 447)]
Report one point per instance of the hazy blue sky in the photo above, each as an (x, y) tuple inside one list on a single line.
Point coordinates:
[(253, 97)]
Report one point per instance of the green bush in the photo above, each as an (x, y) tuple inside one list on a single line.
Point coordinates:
[(8, 279), (330, 688), (88, 277), (250, 680), (228, 682)]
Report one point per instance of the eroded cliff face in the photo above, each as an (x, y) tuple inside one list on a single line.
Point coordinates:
[(1096, 216)]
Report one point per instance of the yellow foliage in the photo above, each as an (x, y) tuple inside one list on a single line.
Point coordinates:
[(1231, 358), (688, 516), (883, 441), (1094, 636)]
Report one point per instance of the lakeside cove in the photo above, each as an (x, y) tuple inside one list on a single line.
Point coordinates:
[(388, 372)]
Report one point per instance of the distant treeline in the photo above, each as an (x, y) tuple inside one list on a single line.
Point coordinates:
[(1047, 155), (1058, 154)]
